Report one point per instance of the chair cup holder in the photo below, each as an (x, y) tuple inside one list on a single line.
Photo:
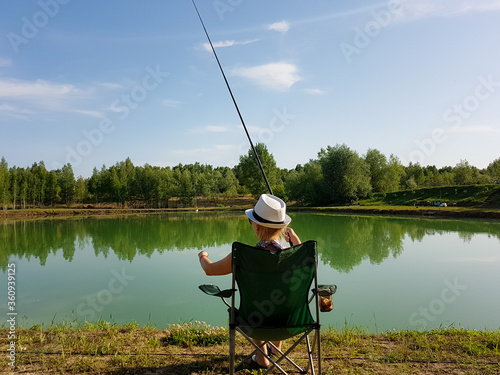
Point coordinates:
[(325, 293), (325, 303)]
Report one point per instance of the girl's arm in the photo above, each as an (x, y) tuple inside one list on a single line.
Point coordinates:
[(221, 267), (291, 236)]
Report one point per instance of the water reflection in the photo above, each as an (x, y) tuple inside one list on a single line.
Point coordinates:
[(344, 241)]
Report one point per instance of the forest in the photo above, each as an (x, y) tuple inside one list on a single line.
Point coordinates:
[(339, 175)]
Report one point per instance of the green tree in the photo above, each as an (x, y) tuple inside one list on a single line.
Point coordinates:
[(115, 186), (94, 185), (168, 186), (346, 176), (127, 178), (186, 187), (249, 174), (464, 173), (228, 185), (39, 183), (52, 192), (24, 177), (81, 189), (305, 184), (413, 177), (14, 185), (396, 172), (493, 169), (66, 180), (379, 169), (385, 174), (4, 183)]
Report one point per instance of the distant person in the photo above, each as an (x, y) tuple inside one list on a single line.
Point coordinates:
[(270, 223)]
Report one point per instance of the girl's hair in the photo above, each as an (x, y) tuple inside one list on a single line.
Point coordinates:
[(267, 234)]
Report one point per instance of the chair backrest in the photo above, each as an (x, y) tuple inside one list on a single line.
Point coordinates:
[(274, 290)]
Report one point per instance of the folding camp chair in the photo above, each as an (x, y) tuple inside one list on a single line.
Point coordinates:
[(274, 298)]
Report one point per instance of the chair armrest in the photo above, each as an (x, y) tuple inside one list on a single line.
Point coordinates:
[(213, 290), (325, 290)]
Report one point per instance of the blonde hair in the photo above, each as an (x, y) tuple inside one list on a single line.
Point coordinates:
[(268, 234)]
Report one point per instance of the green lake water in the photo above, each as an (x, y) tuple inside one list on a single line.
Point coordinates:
[(391, 272)]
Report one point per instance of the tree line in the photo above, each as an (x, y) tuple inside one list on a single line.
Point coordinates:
[(339, 175)]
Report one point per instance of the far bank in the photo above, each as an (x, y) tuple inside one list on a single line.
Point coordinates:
[(413, 211)]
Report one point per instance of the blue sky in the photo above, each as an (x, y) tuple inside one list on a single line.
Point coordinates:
[(94, 82)]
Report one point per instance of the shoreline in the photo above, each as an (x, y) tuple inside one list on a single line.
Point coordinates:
[(427, 212), (195, 348)]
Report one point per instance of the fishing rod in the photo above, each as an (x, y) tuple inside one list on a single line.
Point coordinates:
[(234, 101)]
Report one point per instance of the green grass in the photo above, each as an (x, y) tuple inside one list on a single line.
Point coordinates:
[(463, 196), (195, 334), (108, 348)]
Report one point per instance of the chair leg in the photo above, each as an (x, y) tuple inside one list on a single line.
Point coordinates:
[(232, 350), (318, 337), (315, 341), (310, 355)]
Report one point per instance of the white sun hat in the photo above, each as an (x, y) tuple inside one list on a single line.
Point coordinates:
[(270, 211)]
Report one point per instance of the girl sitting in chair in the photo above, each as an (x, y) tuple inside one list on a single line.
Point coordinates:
[(270, 223)]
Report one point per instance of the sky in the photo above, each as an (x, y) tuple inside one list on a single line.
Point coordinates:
[(93, 82)]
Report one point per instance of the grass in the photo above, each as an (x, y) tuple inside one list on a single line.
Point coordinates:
[(197, 348), (475, 201), (486, 196)]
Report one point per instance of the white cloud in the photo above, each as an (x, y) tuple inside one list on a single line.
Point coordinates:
[(25, 98), (228, 43), (314, 91), (37, 90), (209, 129), (90, 113), (216, 129), (279, 76), (281, 26), (225, 147), (415, 9), (15, 112), (110, 85)]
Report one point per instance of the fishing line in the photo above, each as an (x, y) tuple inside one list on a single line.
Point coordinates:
[(234, 101)]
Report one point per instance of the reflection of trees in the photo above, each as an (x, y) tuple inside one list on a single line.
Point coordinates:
[(144, 235), (125, 236), (343, 241), (38, 239)]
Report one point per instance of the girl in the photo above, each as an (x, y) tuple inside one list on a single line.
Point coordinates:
[(270, 223)]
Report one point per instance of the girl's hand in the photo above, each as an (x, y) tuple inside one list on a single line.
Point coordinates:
[(291, 237)]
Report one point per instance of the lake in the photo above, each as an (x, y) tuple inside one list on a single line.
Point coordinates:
[(391, 272)]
